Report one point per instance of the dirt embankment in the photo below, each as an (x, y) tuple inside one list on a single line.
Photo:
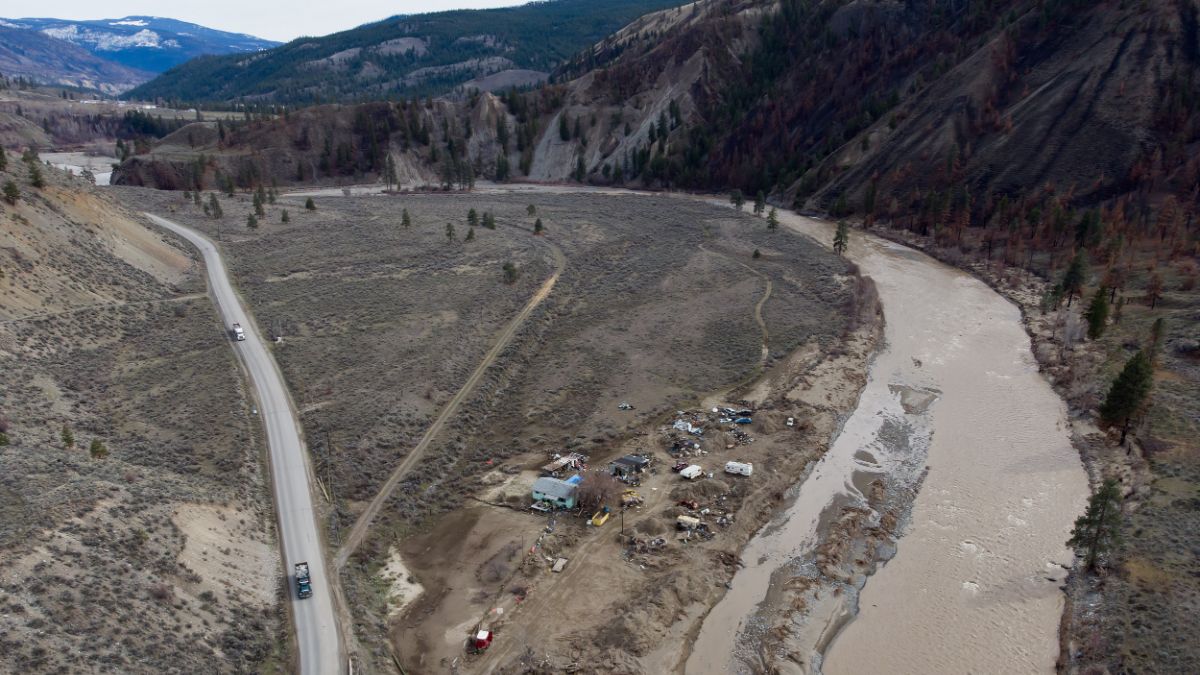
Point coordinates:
[(135, 528), (1125, 618)]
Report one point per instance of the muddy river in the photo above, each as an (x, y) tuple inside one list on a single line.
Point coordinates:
[(953, 399)]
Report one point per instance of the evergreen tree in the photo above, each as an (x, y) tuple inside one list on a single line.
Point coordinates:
[(3, 159), (1097, 314), (35, 176), (537, 226), (757, 254), (531, 210), (510, 273), (258, 206), (251, 221), (760, 203), (449, 232), (841, 238), (737, 199), (11, 192), (389, 172), (773, 219), (97, 449), (68, 438), (489, 220), (310, 205), (1098, 530), (1072, 281), (1128, 393), (214, 207), (284, 218), (502, 168), (470, 234), (404, 219), (472, 218)]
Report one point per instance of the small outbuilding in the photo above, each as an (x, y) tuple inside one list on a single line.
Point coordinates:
[(629, 465), (557, 492)]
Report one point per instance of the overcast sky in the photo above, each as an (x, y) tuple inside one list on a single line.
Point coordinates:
[(280, 20)]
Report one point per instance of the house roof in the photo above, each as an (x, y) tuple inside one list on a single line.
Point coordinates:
[(632, 460), (553, 487)]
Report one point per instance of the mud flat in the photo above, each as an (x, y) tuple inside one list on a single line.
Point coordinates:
[(956, 414)]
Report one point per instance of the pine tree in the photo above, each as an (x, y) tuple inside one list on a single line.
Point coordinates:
[(1098, 530), (1097, 314), (489, 220), (97, 449), (284, 218), (760, 203), (35, 176), (510, 273), (1072, 281), (214, 207), (841, 238), (1128, 393), (472, 218), (68, 438), (773, 219), (404, 219), (737, 199), (310, 205), (470, 234), (251, 221), (258, 206), (449, 232), (11, 192), (531, 210), (537, 226)]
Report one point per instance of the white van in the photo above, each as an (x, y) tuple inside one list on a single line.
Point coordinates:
[(692, 472), (739, 468)]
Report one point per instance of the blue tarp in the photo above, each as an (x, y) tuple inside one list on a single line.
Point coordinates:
[(575, 480)]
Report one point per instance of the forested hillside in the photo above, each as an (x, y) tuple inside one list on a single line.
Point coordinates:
[(411, 55)]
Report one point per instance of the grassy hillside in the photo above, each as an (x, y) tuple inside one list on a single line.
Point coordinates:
[(403, 55)]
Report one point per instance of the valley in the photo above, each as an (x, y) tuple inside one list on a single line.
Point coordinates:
[(733, 336)]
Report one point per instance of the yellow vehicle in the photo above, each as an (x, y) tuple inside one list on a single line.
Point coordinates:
[(601, 517), (630, 498)]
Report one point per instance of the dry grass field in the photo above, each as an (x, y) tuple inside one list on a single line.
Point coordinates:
[(153, 551)]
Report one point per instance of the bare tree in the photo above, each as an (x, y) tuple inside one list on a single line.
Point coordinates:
[(598, 489)]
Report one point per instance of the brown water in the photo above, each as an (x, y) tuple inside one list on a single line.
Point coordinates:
[(974, 584)]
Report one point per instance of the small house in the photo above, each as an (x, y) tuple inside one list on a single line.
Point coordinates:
[(560, 493), (629, 465)]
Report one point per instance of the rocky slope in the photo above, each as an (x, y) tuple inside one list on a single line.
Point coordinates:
[(136, 533)]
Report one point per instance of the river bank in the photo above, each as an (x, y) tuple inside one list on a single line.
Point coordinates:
[(978, 554)]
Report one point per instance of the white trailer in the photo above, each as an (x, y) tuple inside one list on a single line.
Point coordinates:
[(739, 468), (692, 472)]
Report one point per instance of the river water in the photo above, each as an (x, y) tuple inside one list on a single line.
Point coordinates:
[(973, 586)]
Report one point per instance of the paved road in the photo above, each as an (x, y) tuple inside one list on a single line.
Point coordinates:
[(316, 626)]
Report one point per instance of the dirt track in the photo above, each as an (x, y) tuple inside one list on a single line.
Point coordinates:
[(363, 524)]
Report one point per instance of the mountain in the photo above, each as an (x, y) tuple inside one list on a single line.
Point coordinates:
[(145, 43), (34, 56), (407, 55)]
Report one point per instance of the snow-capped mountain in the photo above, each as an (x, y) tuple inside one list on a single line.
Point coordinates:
[(147, 43)]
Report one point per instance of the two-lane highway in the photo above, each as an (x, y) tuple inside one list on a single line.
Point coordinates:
[(316, 623)]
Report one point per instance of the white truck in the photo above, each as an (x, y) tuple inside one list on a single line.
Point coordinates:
[(238, 333), (739, 468)]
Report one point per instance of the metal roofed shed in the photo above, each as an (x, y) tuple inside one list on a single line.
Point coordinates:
[(557, 492)]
